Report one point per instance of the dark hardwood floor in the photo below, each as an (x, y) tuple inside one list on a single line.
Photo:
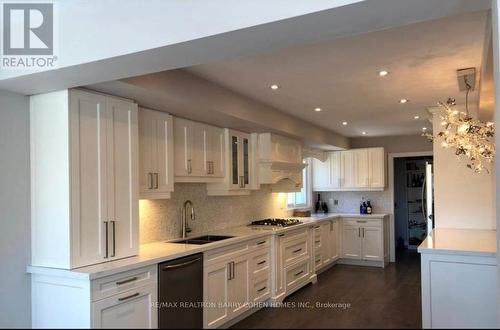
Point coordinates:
[(378, 298)]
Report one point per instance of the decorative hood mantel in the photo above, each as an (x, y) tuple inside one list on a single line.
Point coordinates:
[(279, 161)]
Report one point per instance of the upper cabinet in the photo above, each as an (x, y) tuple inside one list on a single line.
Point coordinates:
[(156, 154), (84, 175), (199, 152), (356, 169), (238, 164), (279, 160)]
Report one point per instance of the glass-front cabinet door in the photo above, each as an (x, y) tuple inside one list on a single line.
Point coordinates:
[(235, 161), (239, 160)]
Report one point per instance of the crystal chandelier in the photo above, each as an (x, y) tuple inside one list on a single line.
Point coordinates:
[(472, 139)]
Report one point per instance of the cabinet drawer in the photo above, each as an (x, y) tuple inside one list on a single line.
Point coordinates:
[(261, 262), (318, 260), (130, 309), (119, 283), (297, 274), (294, 250), (260, 243), (261, 287), (226, 253), (363, 222)]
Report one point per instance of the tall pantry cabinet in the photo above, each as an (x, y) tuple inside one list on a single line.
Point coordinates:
[(84, 173)]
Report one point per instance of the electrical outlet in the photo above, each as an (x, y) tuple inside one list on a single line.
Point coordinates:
[(336, 202)]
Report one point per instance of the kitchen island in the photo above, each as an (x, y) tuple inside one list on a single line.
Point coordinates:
[(459, 270)]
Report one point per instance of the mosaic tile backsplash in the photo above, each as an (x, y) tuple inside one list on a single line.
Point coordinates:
[(348, 201), (160, 219)]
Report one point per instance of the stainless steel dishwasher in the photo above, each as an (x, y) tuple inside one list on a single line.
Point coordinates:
[(180, 293)]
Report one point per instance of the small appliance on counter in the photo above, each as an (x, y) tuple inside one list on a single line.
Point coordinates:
[(276, 222)]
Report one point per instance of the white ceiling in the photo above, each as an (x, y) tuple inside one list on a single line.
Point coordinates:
[(340, 76)]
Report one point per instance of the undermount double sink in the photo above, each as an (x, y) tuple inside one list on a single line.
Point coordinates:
[(202, 239)]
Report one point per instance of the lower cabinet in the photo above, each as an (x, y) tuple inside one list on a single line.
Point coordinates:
[(365, 241), (292, 262), (325, 243), (235, 277), (123, 300), (131, 309)]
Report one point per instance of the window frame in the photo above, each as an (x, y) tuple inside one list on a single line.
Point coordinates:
[(308, 189)]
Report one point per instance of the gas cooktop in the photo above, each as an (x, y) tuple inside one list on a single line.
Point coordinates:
[(276, 222)]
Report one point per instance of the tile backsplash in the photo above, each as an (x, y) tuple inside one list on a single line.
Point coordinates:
[(160, 219), (348, 201)]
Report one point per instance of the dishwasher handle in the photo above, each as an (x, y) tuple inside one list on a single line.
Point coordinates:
[(175, 266)]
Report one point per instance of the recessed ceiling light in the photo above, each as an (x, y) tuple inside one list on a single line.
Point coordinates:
[(424, 128), (317, 109), (383, 73), (403, 101), (344, 123), (364, 133), (416, 117), (274, 86)]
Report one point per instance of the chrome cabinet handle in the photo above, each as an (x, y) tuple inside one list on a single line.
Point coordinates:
[(114, 245), (262, 289), (359, 232), (317, 241), (361, 221), (363, 232), (229, 271), (297, 250), (132, 279), (299, 273), (150, 179), (106, 235), (156, 180), (260, 243), (129, 297), (261, 263), (234, 272)]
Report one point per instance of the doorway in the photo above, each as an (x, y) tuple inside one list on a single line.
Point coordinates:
[(410, 201)]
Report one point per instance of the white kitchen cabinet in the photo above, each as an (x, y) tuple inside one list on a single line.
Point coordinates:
[(156, 154), (238, 165), (321, 244), (216, 280), (88, 212), (361, 168), (334, 245), (366, 242), (235, 276), (327, 175), (350, 170), (351, 242), (214, 151), (347, 170), (292, 268), (199, 151), (121, 300), (133, 309), (376, 167), (321, 174)]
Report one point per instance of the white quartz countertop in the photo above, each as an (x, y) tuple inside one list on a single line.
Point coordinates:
[(461, 242), (157, 252)]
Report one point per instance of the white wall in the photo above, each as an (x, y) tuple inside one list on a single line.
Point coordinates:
[(462, 198), (15, 306)]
